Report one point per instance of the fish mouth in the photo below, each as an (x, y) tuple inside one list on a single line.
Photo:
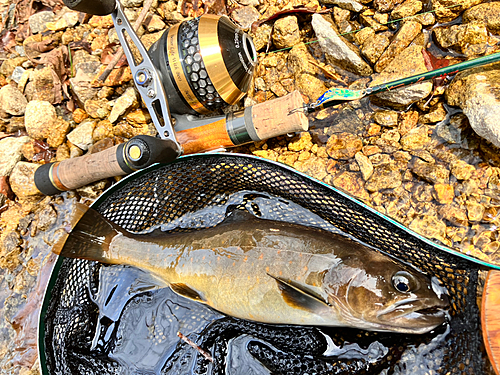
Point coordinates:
[(414, 315)]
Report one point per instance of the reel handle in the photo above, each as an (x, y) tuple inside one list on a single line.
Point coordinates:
[(139, 152)]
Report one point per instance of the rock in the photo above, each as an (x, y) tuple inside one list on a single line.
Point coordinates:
[(81, 136), (58, 130), (310, 85), (65, 18), (471, 38), (429, 226), (435, 114), (38, 21), (374, 46), (455, 215), (117, 77), (351, 183), (125, 130), (22, 180), (12, 100), (262, 36), (444, 193), (79, 115), (138, 117), (302, 142), (44, 84), (475, 211), (343, 146), (314, 167), (9, 65), (97, 108), (476, 92), (416, 139), (407, 63), (17, 74), (384, 6), (489, 13), (286, 32), (125, 102), (366, 19), (81, 83), (384, 177), (154, 23), (462, 170), (406, 9), (38, 118), (386, 118), (447, 10), (433, 173), (400, 42), (45, 218), (350, 5), (245, 16), (10, 153), (337, 49), (364, 35), (365, 165), (103, 130), (101, 22)]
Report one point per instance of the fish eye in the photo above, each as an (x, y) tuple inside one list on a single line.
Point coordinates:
[(403, 282)]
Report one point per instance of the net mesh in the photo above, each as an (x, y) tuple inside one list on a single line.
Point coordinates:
[(164, 194)]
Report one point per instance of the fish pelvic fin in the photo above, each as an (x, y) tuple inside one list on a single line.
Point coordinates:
[(185, 291), (300, 298), (87, 236)]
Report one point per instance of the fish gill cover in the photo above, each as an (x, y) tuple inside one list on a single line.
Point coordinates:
[(105, 320)]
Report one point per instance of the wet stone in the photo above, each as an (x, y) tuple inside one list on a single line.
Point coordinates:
[(447, 10), (286, 32), (385, 6), (444, 193), (470, 38), (12, 100), (475, 211), (407, 63), (10, 153), (435, 114), (476, 92), (384, 177), (350, 5), (79, 115), (454, 214), (462, 170), (102, 130), (337, 49), (302, 142), (433, 173), (58, 130), (343, 146), (365, 165), (262, 36), (313, 166), (416, 139), (386, 118), (44, 85), (351, 183), (81, 136), (38, 118), (429, 226)]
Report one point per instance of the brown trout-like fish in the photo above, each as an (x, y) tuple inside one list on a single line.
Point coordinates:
[(271, 272)]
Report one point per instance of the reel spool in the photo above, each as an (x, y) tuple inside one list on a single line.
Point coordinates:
[(205, 64)]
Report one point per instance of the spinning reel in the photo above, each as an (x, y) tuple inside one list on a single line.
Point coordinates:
[(197, 67)]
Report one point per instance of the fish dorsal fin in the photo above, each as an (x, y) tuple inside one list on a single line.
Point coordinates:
[(299, 297), (185, 291)]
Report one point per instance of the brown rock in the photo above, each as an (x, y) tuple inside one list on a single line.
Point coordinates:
[(22, 180), (416, 139), (402, 39), (117, 77), (429, 226), (44, 84), (475, 211), (489, 13), (79, 115), (101, 22), (386, 118), (38, 118), (447, 10), (433, 173), (384, 177), (313, 166), (12, 100), (408, 122), (462, 170), (97, 108), (302, 142), (58, 131), (286, 32), (455, 215), (365, 165), (351, 183), (444, 193), (343, 146), (406, 9), (103, 130)]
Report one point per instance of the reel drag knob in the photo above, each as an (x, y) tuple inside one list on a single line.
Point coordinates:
[(205, 64)]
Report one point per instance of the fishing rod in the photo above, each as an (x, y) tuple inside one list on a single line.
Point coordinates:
[(336, 96), (197, 68)]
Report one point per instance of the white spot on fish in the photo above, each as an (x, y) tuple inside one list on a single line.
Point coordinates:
[(274, 230)]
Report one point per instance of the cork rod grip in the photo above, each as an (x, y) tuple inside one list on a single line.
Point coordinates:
[(73, 173), (273, 118)]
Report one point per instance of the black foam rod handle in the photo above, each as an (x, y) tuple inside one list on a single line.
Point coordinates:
[(95, 7)]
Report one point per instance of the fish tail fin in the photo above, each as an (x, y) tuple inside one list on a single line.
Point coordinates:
[(87, 236)]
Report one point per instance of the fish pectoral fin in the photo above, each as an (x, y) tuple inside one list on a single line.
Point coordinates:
[(185, 291), (298, 297)]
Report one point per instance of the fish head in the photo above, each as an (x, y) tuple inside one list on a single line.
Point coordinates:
[(387, 295)]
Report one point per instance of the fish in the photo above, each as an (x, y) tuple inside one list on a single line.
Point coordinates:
[(270, 272)]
